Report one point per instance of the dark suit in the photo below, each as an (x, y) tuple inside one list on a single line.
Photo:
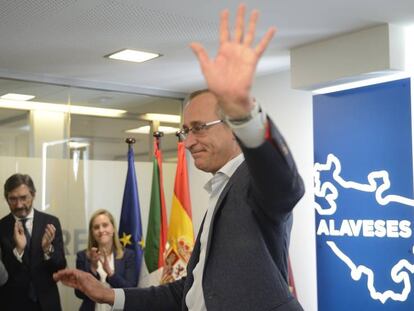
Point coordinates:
[(34, 269), (246, 260), (124, 275)]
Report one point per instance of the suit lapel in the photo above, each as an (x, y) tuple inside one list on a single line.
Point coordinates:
[(37, 233), (196, 250), (10, 228), (241, 170), (118, 267), (237, 174)]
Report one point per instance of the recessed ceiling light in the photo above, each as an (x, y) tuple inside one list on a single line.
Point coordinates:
[(133, 55), (14, 96), (146, 129)]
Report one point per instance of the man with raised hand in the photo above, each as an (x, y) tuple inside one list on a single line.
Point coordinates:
[(239, 261)]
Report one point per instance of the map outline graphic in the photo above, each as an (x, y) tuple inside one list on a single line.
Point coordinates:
[(328, 191)]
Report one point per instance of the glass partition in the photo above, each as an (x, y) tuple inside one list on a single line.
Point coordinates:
[(53, 115), (76, 154)]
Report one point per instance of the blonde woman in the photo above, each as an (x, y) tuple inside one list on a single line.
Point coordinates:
[(105, 259)]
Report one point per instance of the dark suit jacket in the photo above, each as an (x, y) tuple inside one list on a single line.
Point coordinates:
[(124, 276), (34, 268), (246, 260)]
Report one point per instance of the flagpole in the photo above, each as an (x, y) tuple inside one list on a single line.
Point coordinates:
[(164, 223), (179, 137), (157, 135), (130, 141)]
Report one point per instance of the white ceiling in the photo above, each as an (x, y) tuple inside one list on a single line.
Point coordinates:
[(64, 41)]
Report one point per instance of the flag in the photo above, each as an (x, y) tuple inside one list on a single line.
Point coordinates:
[(130, 228), (157, 219), (180, 231)]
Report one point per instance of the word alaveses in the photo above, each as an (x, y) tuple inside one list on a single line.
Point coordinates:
[(365, 227)]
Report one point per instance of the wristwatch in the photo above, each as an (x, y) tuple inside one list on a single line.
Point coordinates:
[(253, 113), (50, 251)]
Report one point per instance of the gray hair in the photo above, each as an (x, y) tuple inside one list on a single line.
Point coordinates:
[(219, 112)]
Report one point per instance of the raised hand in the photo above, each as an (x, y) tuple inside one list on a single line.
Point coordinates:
[(86, 283), (19, 236), (230, 75), (48, 237)]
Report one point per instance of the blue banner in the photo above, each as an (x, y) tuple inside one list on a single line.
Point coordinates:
[(130, 228), (363, 185)]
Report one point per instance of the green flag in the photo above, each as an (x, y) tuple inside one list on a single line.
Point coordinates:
[(157, 220)]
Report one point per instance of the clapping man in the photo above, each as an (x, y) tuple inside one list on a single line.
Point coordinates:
[(32, 247)]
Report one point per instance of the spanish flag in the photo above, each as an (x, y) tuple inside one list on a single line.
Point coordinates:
[(180, 232)]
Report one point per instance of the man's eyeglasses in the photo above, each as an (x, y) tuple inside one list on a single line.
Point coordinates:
[(22, 198), (197, 129)]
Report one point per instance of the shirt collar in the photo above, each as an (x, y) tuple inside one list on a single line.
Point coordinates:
[(227, 170), (230, 167), (29, 216)]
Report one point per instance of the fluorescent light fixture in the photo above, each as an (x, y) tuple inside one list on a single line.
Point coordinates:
[(146, 129), (25, 128), (366, 82), (77, 144), (14, 96), (169, 118), (83, 110), (133, 55)]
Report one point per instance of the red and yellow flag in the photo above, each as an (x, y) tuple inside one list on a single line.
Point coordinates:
[(180, 233)]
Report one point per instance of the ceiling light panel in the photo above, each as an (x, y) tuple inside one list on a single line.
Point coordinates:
[(133, 55), (15, 96)]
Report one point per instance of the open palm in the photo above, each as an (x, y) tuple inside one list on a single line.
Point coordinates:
[(230, 74)]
